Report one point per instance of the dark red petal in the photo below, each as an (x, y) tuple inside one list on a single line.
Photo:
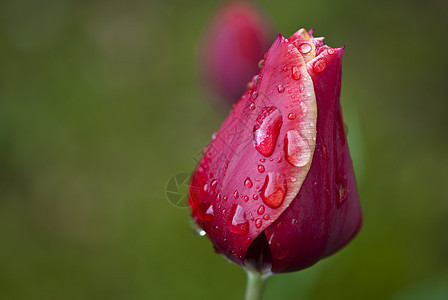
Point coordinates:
[(326, 213), (260, 156)]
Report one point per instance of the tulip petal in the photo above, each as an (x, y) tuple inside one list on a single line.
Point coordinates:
[(254, 167), (326, 213)]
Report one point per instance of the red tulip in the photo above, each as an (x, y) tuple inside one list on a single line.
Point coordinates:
[(275, 188), (236, 38)]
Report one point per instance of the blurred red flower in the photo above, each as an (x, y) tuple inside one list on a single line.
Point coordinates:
[(235, 40)]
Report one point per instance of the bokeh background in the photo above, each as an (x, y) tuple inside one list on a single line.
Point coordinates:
[(100, 105)]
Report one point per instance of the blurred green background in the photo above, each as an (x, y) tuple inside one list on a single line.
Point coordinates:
[(100, 105)]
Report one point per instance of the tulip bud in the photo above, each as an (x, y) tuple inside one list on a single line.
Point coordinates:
[(232, 45), (275, 190)]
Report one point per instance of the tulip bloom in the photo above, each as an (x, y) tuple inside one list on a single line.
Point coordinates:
[(236, 38), (275, 189)]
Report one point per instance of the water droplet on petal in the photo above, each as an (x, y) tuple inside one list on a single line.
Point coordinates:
[(260, 64), (255, 95), (273, 191), (260, 210), (305, 48), (297, 150), (266, 130), (266, 217), (246, 198), (319, 65), (263, 160), (292, 116), (342, 191), (235, 194), (285, 69), (258, 223), (280, 88), (248, 183), (238, 223), (213, 135), (251, 106), (205, 211), (295, 73), (255, 78), (260, 168), (331, 51), (213, 184)]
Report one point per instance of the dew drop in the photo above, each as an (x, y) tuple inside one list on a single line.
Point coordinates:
[(258, 223), (260, 168), (213, 135), (285, 69), (295, 73), (291, 116), (273, 191), (205, 211), (342, 190), (319, 65), (255, 79), (195, 227), (280, 88), (305, 48), (266, 217), (255, 95), (266, 130), (246, 198), (251, 106), (263, 160), (238, 223), (248, 183), (297, 150), (331, 51), (260, 64), (213, 184), (235, 194), (225, 198), (260, 210), (218, 197)]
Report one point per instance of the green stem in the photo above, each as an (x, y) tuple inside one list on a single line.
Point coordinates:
[(255, 285)]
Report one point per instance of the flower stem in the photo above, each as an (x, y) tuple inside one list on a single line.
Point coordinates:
[(255, 285)]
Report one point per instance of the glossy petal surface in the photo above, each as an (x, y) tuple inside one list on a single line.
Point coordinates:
[(250, 146)]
